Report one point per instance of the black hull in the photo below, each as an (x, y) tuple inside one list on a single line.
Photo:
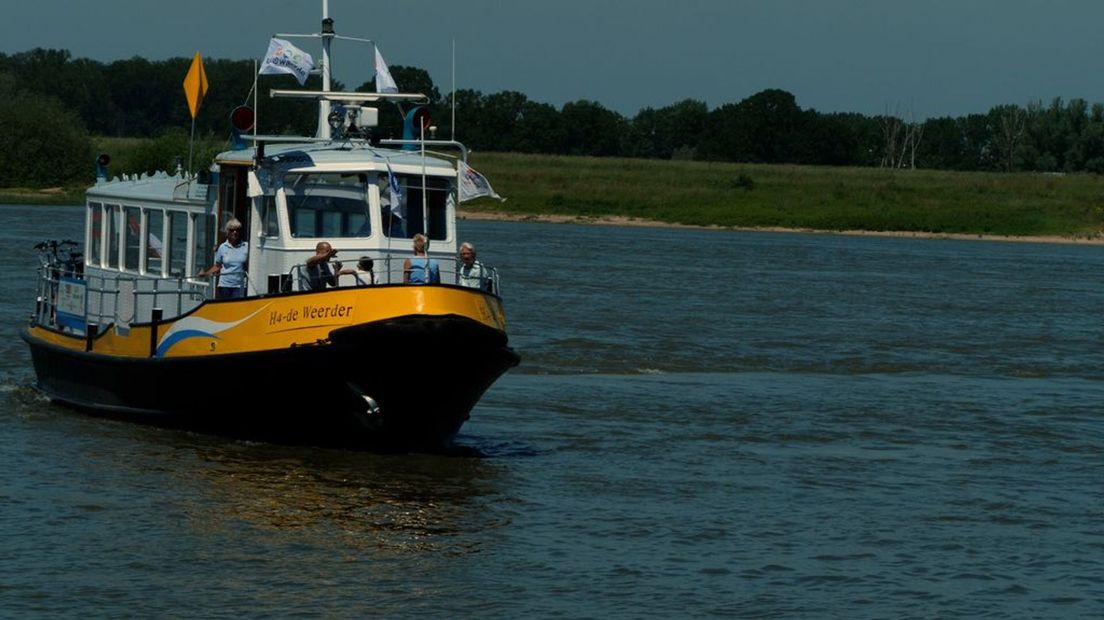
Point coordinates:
[(424, 372)]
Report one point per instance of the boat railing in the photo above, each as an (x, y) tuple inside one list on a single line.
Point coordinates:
[(71, 300), (389, 270)]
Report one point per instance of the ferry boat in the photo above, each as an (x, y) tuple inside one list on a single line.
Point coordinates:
[(130, 326)]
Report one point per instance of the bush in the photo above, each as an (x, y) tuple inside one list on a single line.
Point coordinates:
[(744, 182), (684, 153), (167, 150), (45, 144), (1095, 165)]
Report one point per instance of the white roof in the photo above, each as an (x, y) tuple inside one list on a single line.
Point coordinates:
[(341, 157), (289, 157), (156, 188)]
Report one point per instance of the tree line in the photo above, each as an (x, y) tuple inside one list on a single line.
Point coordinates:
[(50, 103)]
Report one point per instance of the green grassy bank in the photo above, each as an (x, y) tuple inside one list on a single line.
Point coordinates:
[(742, 195), (745, 195)]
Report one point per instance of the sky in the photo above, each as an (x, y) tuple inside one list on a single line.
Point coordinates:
[(914, 58)]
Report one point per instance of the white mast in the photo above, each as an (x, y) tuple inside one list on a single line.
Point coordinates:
[(327, 37)]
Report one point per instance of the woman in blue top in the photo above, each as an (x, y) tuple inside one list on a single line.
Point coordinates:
[(421, 269), (231, 263)]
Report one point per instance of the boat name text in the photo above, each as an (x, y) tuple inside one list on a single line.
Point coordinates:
[(309, 312)]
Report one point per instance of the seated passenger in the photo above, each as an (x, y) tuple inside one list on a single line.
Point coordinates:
[(363, 274), (319, 274), (471, 272), (421, 269)]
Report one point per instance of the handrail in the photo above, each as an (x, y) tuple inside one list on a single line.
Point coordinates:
[(345, 97), (102, 296), (103, 302), (388, 270)]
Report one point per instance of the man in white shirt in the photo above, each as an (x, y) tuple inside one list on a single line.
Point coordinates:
[(471, 272)]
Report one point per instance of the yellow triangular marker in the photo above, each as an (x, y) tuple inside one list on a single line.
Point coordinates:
[(195, 84)]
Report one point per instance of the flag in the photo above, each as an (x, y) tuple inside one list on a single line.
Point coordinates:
[(384, 82), (473, 184), (283, 57), (395, 219), (395, 191), (195, 85)]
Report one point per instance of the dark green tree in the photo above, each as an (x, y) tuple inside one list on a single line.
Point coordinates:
[(664, 131), (590, 129), (539, 128), (50, 144)]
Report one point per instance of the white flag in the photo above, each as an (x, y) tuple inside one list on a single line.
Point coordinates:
[(384, 82), (473, 184), (283, 57)]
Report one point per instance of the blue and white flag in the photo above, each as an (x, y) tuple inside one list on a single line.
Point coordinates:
[(283, 57), (395, 191), (384, 82), (396, 215), (473, 184)]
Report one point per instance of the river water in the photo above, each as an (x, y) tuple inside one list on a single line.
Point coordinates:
[(705, 423)]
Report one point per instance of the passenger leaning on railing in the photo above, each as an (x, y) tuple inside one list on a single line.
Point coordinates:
[(231, 263), (421, 269), (363, 275)]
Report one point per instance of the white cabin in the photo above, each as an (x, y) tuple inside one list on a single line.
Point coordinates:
[(147, 237)]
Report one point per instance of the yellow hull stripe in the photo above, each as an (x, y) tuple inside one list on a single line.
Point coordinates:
[(267, 323)]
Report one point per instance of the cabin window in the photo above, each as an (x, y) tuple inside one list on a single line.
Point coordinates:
[(270, 221), (327, 205), (407, 220), (133, 236), (178, 243), (154, 246), (204, 243), (95, 241), (112, 214)]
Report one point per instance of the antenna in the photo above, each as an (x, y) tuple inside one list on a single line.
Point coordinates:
[(452, 130)]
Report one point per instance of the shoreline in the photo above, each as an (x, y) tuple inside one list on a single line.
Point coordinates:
[(620, 220), (53, 197)]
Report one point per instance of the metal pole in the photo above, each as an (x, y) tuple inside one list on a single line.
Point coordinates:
[(155, 321), (324, 105), (425, 190), (90, 331), (256, 109), (191, 143), (425, 202), (452, 134)]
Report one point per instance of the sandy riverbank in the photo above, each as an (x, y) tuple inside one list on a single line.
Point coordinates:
[(611, 220)]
